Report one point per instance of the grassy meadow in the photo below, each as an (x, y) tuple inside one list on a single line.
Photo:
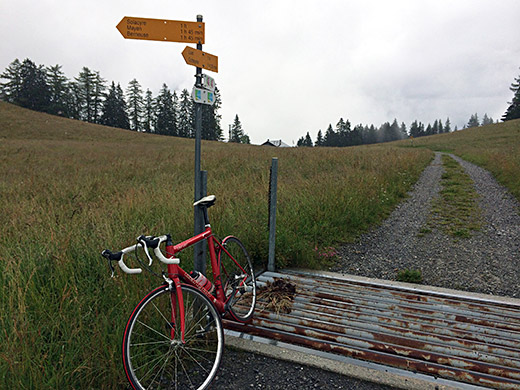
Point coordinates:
[(69, 189)]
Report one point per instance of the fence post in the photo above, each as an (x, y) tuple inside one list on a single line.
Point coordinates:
[(272, 213)]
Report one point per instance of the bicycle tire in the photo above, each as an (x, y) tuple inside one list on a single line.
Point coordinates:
[(238, 279), (152, 359)]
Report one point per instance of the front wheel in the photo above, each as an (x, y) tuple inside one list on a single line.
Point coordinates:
[(238, 279), (154, 355)]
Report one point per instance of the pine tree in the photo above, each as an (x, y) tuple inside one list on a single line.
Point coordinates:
[(85, 92), (356, 135), (319, 139), (473, 121), (121, 113), (513, 111), (330, 137), (166, 113), (404, 133), (185, 116), (435, 129), (10, 90), (341, 133), (237, 133), (395, 131), (34, 92), (97, 100), (58, 89), (134, 94), (486, 120), (414, 129), (370, 135), (114, 108), (308, 140), (74, 101), (149, 112), (447, 126)]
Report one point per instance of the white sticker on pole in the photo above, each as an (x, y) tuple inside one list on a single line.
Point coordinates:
[(203, 96), (208, 82)]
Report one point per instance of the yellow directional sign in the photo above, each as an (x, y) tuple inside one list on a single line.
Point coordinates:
[(200, 59), (161, 30)]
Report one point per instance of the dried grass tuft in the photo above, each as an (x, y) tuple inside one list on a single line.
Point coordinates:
[(278, 295)]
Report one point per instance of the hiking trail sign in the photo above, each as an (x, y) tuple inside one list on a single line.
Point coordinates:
[(161, 30), (200, 59)]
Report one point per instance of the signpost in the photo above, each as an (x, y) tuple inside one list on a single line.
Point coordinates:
[(161, 30), (200, 59), (203, 96), (203, 91)]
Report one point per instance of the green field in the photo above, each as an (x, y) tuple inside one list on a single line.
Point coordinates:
[(70, 189)]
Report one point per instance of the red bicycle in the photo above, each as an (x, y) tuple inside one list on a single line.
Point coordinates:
[(174, 337)]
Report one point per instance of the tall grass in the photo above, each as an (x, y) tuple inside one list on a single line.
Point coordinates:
[(494, 147), (70, 189)]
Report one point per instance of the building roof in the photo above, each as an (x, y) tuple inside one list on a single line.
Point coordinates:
[(278, 143)]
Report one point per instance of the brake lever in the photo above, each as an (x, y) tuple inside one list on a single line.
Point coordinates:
[(142, 242), (107, 254), (112, 269)]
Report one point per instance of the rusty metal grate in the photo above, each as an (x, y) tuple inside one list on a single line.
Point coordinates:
[(459, 337)]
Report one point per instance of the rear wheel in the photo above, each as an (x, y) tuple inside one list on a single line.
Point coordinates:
[(154, 355), (238, 279)]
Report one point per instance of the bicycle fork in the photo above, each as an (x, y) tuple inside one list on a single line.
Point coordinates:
[(174, 285), (177, 311)]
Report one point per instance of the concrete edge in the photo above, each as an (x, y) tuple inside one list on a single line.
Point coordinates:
[(365, 371)]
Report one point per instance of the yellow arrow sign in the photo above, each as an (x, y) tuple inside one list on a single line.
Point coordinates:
[(200, 59), (161, 30)]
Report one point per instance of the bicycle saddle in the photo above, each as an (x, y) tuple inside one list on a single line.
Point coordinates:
[(207, 201)]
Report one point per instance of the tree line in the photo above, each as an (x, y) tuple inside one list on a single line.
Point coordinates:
[(88, 97), (346, 135)]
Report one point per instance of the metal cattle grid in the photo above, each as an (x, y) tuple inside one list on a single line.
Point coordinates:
[(447, 334)]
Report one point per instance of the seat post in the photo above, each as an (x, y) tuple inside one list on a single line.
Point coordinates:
[(205, 213)]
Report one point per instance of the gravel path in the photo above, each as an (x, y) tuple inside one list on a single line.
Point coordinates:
[(486, 263)]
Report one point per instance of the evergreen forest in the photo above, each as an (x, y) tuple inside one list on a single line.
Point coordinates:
[(88, 97)]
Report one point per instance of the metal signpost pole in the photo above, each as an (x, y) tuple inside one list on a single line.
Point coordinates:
[(198, 260)]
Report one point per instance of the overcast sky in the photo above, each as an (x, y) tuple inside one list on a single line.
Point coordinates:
[(291, 67)]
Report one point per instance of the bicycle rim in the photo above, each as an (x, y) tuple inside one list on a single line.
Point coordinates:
[(154, 356), (238, 279)]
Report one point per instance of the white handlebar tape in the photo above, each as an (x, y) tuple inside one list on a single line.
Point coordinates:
[(128, 270), (164, 259)]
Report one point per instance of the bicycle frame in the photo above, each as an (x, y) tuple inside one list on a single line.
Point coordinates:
[(176, 273)]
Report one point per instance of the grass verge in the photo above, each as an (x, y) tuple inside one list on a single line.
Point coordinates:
[(456, 210)]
